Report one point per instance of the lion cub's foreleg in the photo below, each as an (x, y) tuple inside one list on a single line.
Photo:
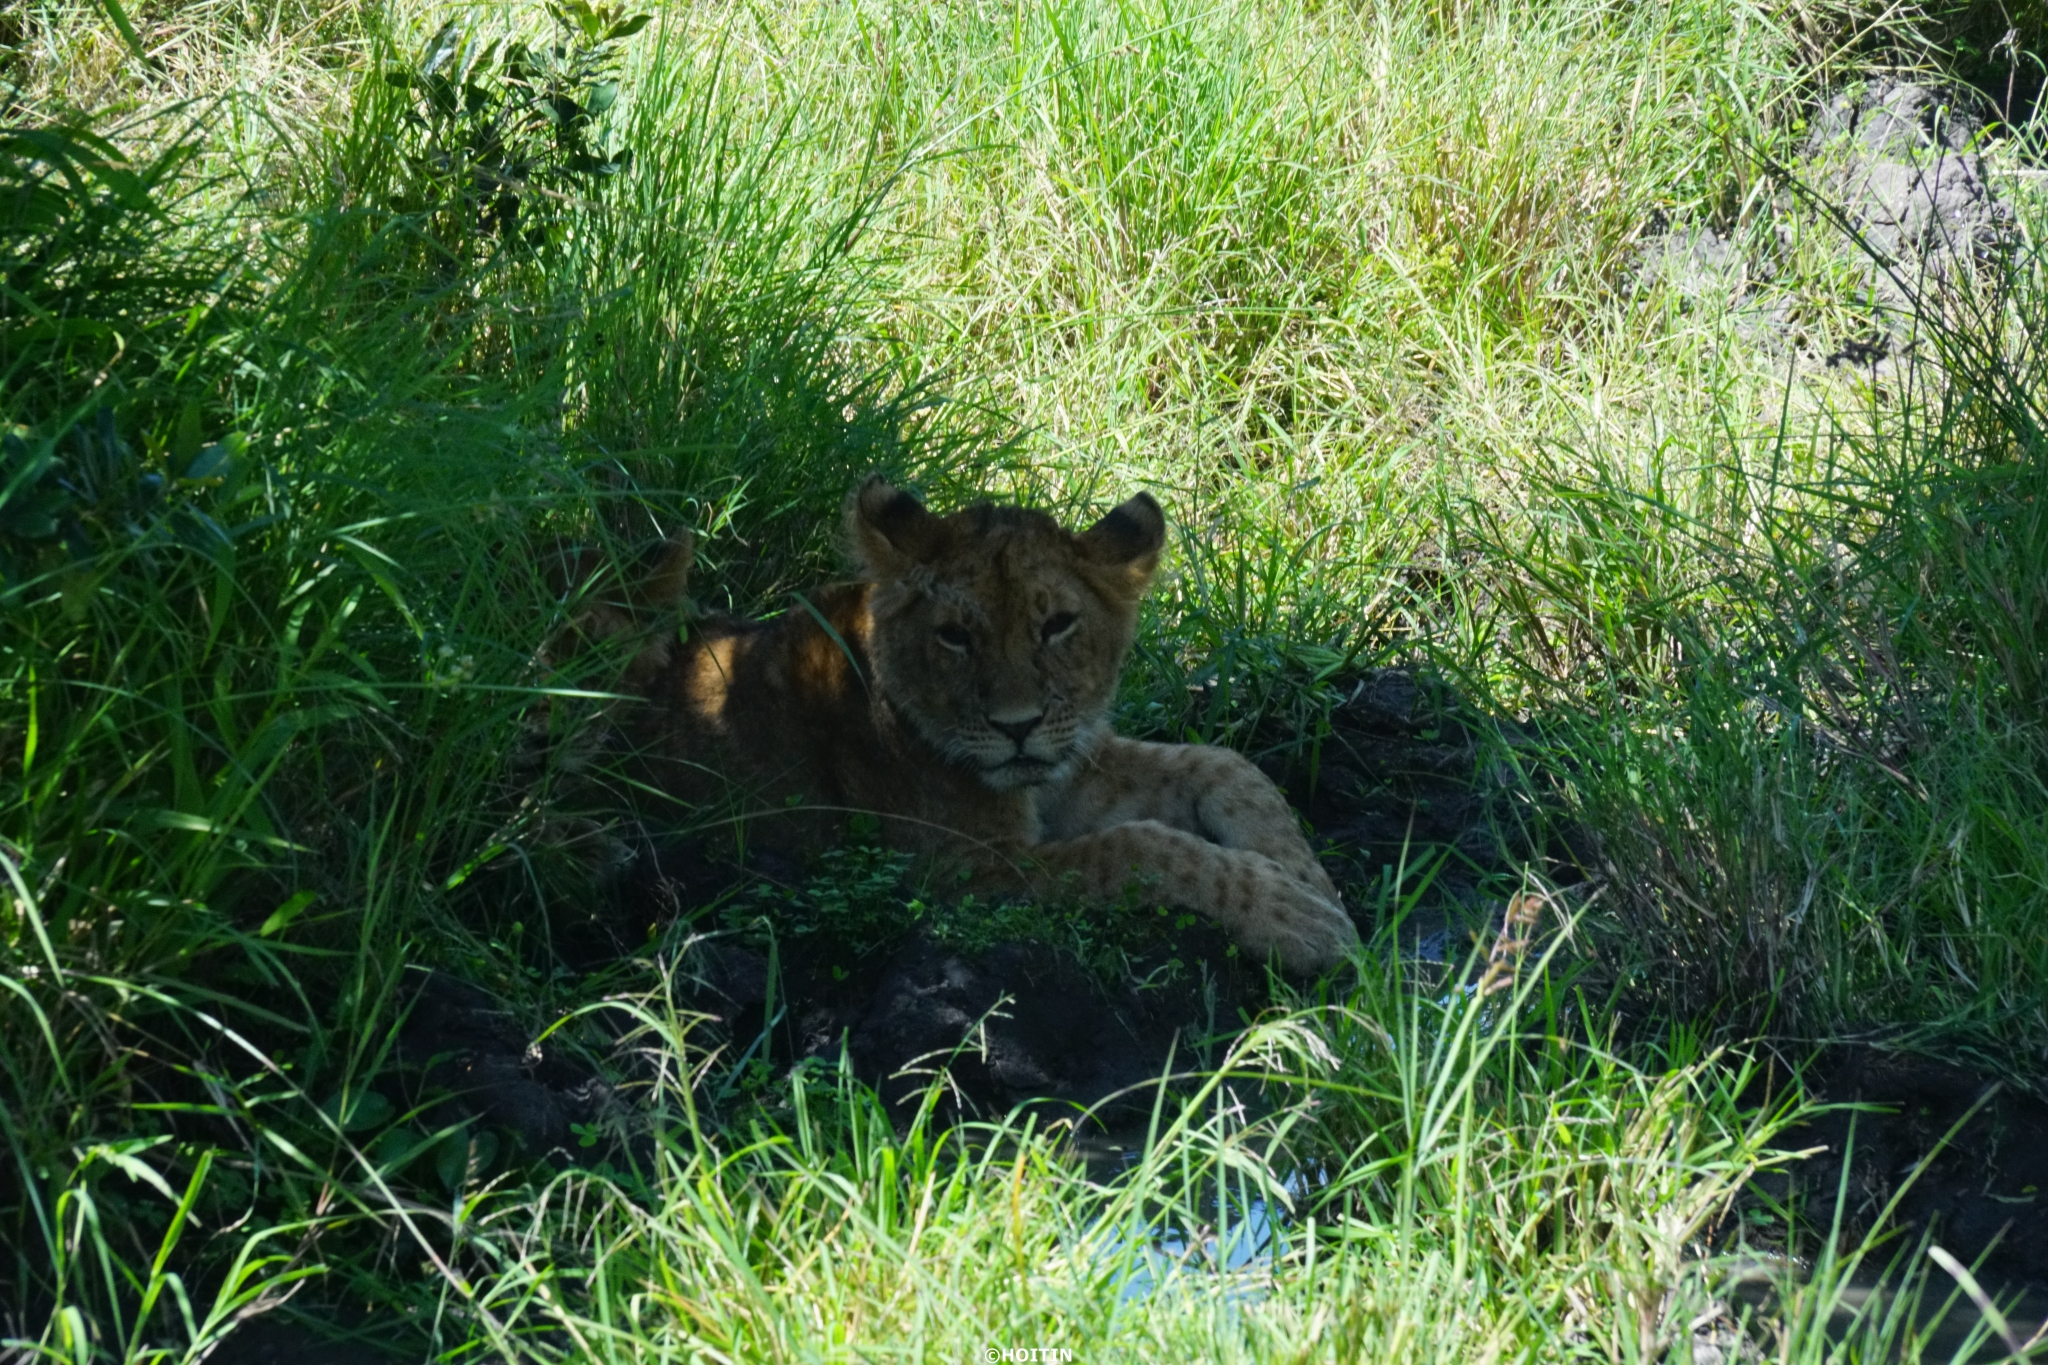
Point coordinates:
[(1209, 831), (1207, 791)]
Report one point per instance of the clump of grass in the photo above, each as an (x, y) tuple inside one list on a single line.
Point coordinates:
[(1798, 684), (268, 594)]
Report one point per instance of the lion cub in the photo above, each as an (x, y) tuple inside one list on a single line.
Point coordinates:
[(959, 693)]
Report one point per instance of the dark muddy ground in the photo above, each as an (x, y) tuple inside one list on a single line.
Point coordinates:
[(1406, 793), (1407, 777), (1979, 1147), (1965, 1157), (284, 1339), (1965, 1154)]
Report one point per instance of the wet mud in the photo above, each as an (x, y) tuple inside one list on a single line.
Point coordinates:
[(1964, 1154)]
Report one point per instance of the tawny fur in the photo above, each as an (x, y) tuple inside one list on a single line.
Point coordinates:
[(959, 693)]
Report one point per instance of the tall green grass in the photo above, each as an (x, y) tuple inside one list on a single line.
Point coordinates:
[(297, 413), (1807, 670), (1332, 1189)]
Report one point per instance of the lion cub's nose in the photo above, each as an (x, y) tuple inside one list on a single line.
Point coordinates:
[(1017, 730)]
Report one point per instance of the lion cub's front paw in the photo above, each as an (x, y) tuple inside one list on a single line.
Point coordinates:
[(1311, 934)]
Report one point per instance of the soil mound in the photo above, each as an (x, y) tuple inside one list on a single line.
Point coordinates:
[(1969, 1152), (463, 1058)]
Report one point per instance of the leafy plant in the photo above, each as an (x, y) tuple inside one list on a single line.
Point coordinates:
[(503, 128)]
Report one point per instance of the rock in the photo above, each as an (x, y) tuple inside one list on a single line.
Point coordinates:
[(1717, 1338), (1898, 164), (1694, 262), (1901, 162)]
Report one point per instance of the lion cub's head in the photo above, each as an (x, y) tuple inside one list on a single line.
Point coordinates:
[(997, 633)]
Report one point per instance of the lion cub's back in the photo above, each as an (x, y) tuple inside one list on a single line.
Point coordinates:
[(762, 709)]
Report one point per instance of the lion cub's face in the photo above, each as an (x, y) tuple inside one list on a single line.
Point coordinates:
[(997, 634)]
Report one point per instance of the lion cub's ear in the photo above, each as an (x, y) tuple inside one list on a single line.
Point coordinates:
[(1127, 540), (668, 580), (890, 529)]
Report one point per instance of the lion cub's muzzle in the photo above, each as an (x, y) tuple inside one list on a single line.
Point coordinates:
[(1023, 751), (1029, 750)]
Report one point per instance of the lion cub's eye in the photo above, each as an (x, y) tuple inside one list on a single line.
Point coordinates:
[(1057, 625), (955, 637)]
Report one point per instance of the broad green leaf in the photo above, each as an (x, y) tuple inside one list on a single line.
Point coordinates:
[(282, 917), (357, 1112), (212, 462), (186, 439)]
